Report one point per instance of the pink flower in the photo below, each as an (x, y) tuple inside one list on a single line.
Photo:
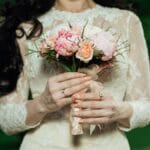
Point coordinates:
[(105, 42), (66, 43)]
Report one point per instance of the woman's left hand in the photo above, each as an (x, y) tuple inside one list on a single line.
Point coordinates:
[(96, 110)]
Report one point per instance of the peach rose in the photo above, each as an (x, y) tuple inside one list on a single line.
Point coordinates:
[(85, 52), (51, 41)]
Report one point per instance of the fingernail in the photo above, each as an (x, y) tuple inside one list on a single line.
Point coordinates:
[(88, 82), (73, 98), (75, 105), (83, 75), (77, 101), (81, 120), (87, 78), (74, 114), (75, 95), (72, 105)]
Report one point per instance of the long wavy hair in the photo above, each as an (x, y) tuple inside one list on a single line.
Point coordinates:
[(11, 63)]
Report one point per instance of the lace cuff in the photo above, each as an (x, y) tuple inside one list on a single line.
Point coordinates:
[(140, 116), (13, 117)]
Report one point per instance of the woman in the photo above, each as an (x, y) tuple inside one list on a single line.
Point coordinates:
[(124, 107)]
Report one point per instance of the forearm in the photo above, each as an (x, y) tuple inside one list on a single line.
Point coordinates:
[(17, 117), (140, 115), (35, 112), (125, 113)]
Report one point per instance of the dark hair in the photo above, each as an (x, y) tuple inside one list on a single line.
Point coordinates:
[(11, 63)]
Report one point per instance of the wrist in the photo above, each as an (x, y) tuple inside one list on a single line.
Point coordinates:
[(125, 114), (39, 103), (36, 113)]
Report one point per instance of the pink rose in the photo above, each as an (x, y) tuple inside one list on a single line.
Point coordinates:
[(105, 42), (66, 43)]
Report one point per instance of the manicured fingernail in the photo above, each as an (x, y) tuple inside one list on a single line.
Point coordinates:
[(81, 120), (88, 82), (74, 114), (72, 105), (77, 97), (82, 74), (87, 78), (76, 105), (73, 99), (77, 101)]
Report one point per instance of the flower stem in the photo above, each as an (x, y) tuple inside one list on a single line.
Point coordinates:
[(74, 64)]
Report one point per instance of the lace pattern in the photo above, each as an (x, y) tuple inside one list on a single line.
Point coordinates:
[(13, 116)]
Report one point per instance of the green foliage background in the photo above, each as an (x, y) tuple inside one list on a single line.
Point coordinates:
[(139, 138)]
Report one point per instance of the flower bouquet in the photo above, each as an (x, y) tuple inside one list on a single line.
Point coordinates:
[(76, 50)]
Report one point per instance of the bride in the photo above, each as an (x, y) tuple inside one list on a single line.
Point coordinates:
[(123, 105)]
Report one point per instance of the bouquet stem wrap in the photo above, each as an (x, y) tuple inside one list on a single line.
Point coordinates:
[(76, 127)]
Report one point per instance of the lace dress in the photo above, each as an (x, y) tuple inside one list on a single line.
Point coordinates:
[(129, 81)]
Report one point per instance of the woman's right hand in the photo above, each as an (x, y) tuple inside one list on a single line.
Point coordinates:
[(60, 88)]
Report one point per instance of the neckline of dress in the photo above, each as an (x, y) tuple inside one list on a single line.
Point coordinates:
[(64, 12)]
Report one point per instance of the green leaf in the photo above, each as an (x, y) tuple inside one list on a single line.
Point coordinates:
[(66, 68), (97, 52)]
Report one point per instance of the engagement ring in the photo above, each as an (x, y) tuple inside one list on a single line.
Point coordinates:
[(100, 95), (63, 91)]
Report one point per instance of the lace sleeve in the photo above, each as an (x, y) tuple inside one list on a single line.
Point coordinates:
[(138, 89), (13, 110)]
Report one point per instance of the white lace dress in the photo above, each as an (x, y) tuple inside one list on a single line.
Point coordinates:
[(130, 81)]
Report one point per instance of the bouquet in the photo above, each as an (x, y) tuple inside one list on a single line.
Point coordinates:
[(71, 49), (76, 50)]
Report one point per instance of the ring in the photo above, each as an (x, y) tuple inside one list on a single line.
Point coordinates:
[(63, 91), (100, 95)]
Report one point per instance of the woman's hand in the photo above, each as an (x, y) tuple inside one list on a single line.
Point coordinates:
[(60, 88), (96, 110)]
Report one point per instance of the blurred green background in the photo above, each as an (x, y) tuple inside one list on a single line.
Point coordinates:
[(139, 138)]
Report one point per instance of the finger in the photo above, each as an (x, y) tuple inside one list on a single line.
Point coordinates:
[(67, 76), (77, 88), (80, 92), (71, 82), (87, 96), (92, 97), (57, 105), (58, 95), (65, 101), (87, 104), (93, 113), (94, 104), (95, 120)]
